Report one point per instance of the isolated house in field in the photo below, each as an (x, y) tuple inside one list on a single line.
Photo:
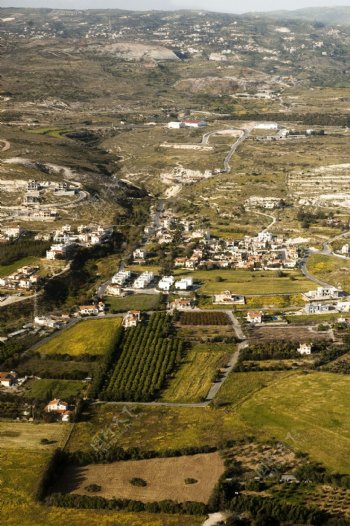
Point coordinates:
[(131, 319), (194, 124), (176, 125), (8, 379), (305, 348), (182, 304), (227, 298), (62, 409), (255, 317)]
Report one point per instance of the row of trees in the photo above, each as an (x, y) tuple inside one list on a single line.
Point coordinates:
[(106, 364), (15, 250), (148, 355), (100, 503)]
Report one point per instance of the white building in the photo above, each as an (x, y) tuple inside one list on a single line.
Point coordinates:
[(175, 125), (166, 283), (121, 277), (184, 284), (131, 319), (305, 348), (8, 379), (88, 310), (143, 280), (255, 317), (194, 124), (46, 321), (114, 290)]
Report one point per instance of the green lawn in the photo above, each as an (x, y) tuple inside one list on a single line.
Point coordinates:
[(142, 302), (246, 282), (195, 376), (86, 337), (330, 269), (46, 390), (5, 270)]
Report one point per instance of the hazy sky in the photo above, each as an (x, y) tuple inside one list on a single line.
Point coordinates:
[(235, 6)]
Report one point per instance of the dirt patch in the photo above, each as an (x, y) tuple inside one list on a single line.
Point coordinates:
[(299, 334), (165, 478)]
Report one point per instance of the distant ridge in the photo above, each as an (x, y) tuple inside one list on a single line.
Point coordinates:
[(327, 15)]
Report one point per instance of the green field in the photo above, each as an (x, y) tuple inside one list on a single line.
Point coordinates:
[(246, 282), (92, 337), (144, 302), (5, 270), (50, 389), (195, 376), (309, 411), (330, 269), (240, 386)]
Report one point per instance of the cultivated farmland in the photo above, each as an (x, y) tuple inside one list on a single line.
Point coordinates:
[(147, 357), (93, 337), (165, 478), (195, 376), (204, 318)]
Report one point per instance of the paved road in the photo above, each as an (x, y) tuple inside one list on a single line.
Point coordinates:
[(227, 167)]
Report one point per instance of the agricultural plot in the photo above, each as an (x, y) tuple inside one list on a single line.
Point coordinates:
[(309, 412), (147, 356), (143, 302), (255, 283), (115, 478), (18, 505), (93, 337), (293, 334), (195, 376), (204, 318), (45, 390)]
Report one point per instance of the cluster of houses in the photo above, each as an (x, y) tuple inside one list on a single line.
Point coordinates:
[(66, 241), (25, 278), (326, 299), (11, 232), (35, 190), (265, 251)]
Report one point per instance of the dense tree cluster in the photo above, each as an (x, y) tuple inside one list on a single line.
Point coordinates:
[(148, 355)]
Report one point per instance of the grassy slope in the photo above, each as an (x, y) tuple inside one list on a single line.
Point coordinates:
[(311, 412), (330, 269), (5, 270), (308, 411), (87, 337), (194, 378)]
